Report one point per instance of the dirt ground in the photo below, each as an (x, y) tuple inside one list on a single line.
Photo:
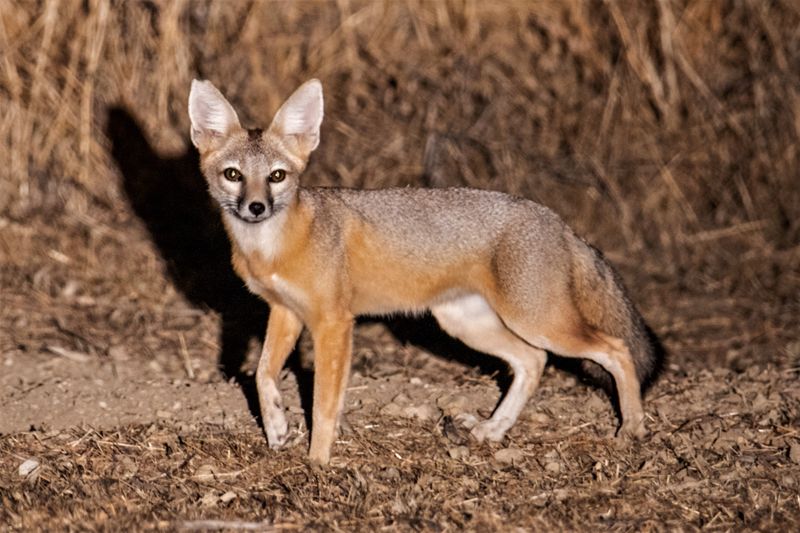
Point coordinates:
[(118, 399), (665, 132)]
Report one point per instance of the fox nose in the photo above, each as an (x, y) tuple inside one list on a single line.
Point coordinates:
[(256, 208)]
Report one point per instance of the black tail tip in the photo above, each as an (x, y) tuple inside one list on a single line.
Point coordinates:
[(652, 368)]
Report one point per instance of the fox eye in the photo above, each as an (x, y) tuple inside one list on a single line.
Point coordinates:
[(277, 176), (231, 174)]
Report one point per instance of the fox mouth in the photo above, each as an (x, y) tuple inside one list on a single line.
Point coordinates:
[(250, 220)]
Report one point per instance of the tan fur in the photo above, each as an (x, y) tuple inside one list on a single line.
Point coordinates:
[(503, 274)]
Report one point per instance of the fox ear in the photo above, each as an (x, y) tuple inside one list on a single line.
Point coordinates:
[(211, 115), (300, 117)]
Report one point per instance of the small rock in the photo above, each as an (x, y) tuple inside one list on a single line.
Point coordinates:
[(539, 500), (401, 399), (560, 494), (570, 382), (509, 455), (724, 441), (125, 469), (29, 467), (163, 414), (453, 404), (422, 412), (720, 372), (118, 352), (391, 409), (85, 300), (210, 499), (540, 419), (458, 452), (794, 453), (760, 402), (205, 472), (391, 473), (355, 405), (595, 403), (554, 467), (227, 497), (415, 381)]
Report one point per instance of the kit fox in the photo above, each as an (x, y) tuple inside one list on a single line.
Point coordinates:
[(503, 274)]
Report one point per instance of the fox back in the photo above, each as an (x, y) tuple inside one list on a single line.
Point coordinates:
[(503, 274)]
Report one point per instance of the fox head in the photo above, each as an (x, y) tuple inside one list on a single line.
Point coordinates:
[(254, 174)]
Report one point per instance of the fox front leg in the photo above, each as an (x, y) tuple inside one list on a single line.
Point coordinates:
[(333, 340), (283, 329)]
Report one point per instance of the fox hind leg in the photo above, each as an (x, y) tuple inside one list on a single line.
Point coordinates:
[(610, 352), (472, 320), (617, 359)]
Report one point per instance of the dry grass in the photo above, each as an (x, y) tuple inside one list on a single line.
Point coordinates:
[(678, 115), (667, 132)]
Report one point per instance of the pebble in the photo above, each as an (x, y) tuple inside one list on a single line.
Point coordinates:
[(401, 399), (422, 412), (28, 467), (595, 403), (125, 468), (560, 494), (391, 409), (458, 452), (205, 472), (118, 352), (391, 473), (453, 404), (554, 467), (540, 419), (794, 453), (210, 499), (509, 455), (570, 382), (759, 403)]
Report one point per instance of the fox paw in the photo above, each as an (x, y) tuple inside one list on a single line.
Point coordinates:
[(492, 430), (276, 428), (632, 430)]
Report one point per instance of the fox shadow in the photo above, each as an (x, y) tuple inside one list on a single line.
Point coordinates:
[(169, 196)]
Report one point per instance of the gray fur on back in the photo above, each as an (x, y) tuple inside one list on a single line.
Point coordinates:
[(439, 222)]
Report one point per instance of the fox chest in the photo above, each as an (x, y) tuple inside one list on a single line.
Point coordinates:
[(275, 289), (271, 285)]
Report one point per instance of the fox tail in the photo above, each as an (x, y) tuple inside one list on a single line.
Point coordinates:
[(603, 302)]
